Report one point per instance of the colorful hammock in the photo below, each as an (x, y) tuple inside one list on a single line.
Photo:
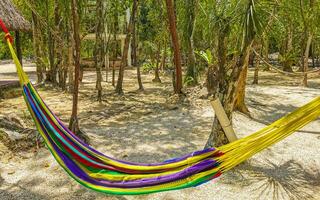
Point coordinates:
[(99, 172)]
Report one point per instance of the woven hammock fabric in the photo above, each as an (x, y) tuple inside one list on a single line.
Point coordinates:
[(102, 173)]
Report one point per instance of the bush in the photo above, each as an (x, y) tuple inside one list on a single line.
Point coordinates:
[(147, 67)]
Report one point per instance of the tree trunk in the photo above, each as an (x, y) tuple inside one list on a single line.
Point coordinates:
[(58, 47), (240, 104), (113, 74), (70, 60), (287, 63), (156, 70), (176, 45), (217, 88), (192, 68), (51, 75), (164, 57), (18, 46), (256, 72), (81, 74), (312, 55), (265, 49), (36, 47), (115, 55), (226, 87), (107, 65), (308, 36), (74, 123), (306, 61), (124, 59), (106, 49), (99, 46), (134, 48)]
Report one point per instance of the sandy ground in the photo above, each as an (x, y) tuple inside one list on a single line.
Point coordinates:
[(141, 127)]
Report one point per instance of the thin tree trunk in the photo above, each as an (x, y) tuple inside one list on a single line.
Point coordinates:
[(308, 37), (306, 61), (164, 57), (70, 59), (36, 47), (99, 47), (156, 70), (312, 55), (81, 73), (58, 47), (134, 48), (265, 49), (119, 89), (191, 60), (74, 122), (256, 72), (18, 46), (287, 63), (51, 74), (106, 48), (113, 74), (115, 55), (107, 65), (176, 46)]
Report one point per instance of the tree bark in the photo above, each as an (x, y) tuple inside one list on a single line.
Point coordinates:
[(240, 104), (256, 72), (124, 59), (134, 48), (176, 46), (99, 46), (164, 57), (156, 70), (308, 36), (51, 75), (287, 63), (225, 90), (74, 122), (58, 47), (306, 61), (116, 46), (71, 66), (217, 86), (36, 47), (191, 17), (18, 46)]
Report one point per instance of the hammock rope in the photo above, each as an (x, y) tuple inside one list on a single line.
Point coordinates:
[(102, 173), (315, 71)]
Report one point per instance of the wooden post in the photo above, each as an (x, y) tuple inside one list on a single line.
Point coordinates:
[(18, 46), (224, 121)]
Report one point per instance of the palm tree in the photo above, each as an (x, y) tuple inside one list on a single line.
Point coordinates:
[(224, 80)]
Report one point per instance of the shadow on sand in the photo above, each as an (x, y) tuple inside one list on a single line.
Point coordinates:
[(288, 180)]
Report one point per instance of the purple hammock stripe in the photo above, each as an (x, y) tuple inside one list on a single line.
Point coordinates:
[(72, 166), (196, 153)]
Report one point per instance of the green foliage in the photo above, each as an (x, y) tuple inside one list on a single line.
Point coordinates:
[(189, 80), (206, 56), (240, 21), (148, 66)]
